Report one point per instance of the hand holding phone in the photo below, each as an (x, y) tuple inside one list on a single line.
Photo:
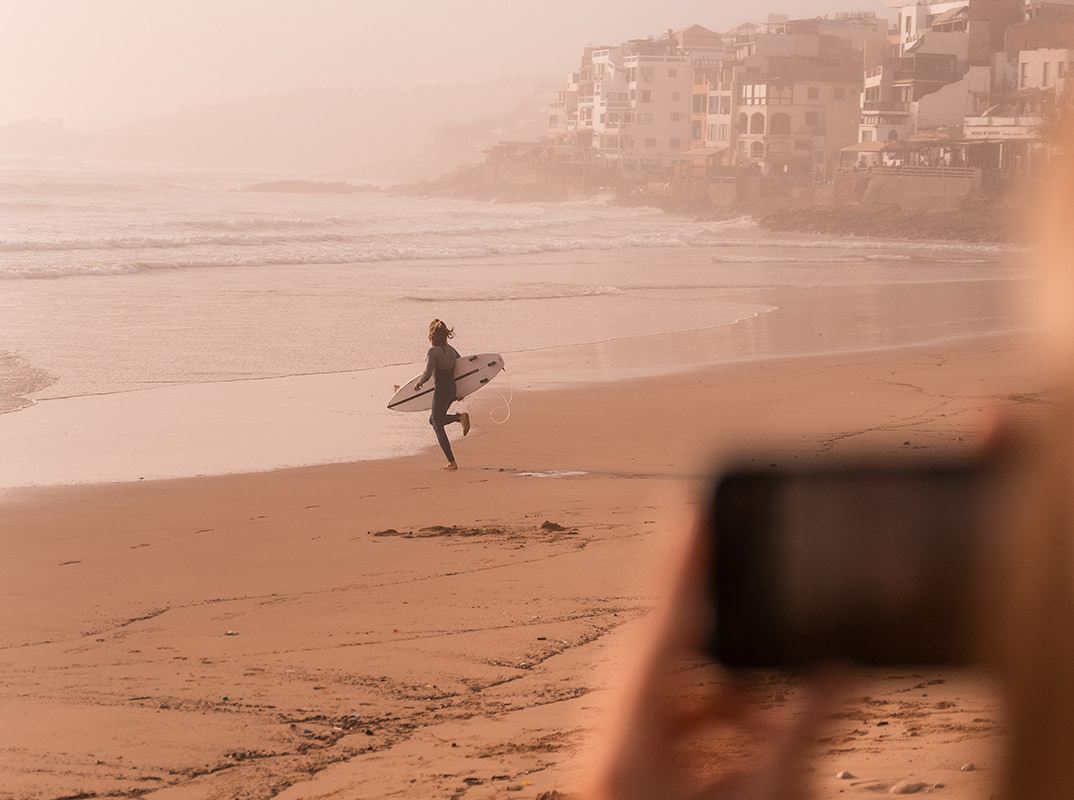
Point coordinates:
[(865, 562)]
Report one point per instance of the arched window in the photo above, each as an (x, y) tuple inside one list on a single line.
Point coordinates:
[(743, 123), (780, 124), (757, 150), (893, 135), (757, 123)]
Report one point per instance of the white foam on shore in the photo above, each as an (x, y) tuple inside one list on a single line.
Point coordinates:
[(275, 423), (203, 429)]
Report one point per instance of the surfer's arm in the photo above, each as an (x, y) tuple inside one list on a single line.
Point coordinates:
[(430, 365)]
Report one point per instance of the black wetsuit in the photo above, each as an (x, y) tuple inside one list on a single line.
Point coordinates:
[(440, 366)]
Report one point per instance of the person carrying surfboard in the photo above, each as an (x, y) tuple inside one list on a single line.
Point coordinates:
[(440, 366)]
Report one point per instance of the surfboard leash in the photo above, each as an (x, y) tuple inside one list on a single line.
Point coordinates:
[(506, 401)]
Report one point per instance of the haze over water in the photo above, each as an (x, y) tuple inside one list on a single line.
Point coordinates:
[(110, 284)]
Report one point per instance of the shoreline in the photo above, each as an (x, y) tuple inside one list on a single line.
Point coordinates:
[(981, 218), (253, 425), (384, 628)]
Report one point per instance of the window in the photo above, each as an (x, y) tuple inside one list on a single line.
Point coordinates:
[(866, 136), (812, 93), (675, 144), (710, 133), (645, 119), (1046, 77), (675, 116), (675, 97), (839, 94), (757, 123), (757, 150), (714, 104), (650, 142), (553, 119), (673, 73), (754, 94), (743, 123), (646, 95), (695, 129), (1023, 75), (811, 119), (648, 73), (698, 104), (723, 132), (780, 124), (780, 95), (802, 144)]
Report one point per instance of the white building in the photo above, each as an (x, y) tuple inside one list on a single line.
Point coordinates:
[(659, 91), (609, 108), (795, 102), (1045, 69)]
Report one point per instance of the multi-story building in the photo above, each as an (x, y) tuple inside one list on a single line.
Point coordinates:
[(717, 78), (1047, 26), (632, 103), (1030, 88), (975, 27), (608, 108), (795, 99), (659, 91), (937, 71)]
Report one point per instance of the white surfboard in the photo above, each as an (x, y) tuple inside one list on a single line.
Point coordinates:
[(471, 373)]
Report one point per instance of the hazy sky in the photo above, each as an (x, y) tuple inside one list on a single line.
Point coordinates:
[(100, 63)]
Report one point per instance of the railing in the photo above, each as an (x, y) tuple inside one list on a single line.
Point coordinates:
[(884, 105), (925, 74), (914, 171)]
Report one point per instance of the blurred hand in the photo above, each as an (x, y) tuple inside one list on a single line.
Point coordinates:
[(643, 753)]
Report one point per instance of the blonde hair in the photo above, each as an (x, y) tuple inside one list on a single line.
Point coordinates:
[(439, 333)]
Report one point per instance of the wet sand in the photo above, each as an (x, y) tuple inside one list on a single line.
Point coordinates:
[(383, 628)]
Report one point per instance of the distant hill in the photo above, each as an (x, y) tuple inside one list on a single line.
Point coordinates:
[(368, 134)]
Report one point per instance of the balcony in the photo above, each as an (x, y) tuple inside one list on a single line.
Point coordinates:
[(884, 105), (923, 75)]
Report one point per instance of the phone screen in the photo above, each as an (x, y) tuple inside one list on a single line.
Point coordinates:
[(867, 563)]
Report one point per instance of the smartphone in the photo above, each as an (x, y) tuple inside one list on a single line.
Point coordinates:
[(862, 562)]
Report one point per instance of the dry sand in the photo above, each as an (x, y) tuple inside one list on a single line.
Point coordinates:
[(384, 629)]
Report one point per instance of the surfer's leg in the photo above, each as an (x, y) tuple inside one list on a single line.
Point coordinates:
[(437, 420)]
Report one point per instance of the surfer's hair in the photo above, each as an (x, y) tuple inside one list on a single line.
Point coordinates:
[(439, 333)]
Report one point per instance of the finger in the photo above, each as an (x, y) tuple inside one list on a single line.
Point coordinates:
[(780, 775)]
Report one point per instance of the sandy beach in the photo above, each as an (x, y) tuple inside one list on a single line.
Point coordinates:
[(384, 629)]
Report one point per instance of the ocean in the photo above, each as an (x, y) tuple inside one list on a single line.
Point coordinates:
[(116, 280)]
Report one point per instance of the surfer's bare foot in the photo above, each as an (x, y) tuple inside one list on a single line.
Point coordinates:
[(451, 465), (465, 419)]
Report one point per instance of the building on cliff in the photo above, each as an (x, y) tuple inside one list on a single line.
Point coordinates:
[(957, 84)]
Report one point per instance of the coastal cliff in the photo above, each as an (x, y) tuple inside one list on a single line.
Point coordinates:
[(976, 223), (983, 217)]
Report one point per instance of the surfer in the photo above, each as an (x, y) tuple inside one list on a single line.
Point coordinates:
[(440, 366)]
